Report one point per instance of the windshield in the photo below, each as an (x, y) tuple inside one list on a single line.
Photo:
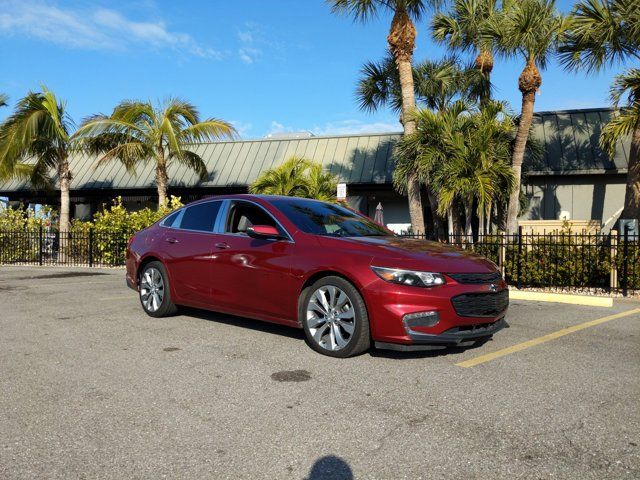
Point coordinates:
[(327, 219)]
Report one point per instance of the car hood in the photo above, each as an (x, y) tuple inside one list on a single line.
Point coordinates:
[(399, 252)]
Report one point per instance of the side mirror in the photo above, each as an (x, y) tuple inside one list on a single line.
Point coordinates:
[(264, 232)]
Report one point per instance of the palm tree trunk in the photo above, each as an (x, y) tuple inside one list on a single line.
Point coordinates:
[(468, 216), (481, 217), (65, 204), (487, 224), (529, 82), (449, 223), (401, 39), (161, 178), (632, 194), (65, 207), (437, 218), (484, 63)]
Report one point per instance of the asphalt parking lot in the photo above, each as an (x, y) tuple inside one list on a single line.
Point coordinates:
[(93, 388)]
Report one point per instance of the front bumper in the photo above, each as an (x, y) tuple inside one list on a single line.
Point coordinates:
[(388, 304), (450, 338)]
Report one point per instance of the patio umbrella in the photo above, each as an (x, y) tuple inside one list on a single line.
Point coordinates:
[(379, 216)]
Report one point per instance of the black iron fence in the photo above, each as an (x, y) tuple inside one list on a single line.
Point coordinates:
[(597, 262), (49, 247)]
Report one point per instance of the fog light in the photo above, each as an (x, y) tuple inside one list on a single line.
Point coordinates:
[(419, 319)]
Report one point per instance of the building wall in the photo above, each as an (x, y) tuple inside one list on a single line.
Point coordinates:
[(582, 197)]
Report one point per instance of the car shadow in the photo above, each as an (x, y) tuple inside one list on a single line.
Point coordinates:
[(243, 322), (448, 351), (298, 334)]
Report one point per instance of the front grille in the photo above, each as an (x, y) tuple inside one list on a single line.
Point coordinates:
[(476, 278), (481, 304)]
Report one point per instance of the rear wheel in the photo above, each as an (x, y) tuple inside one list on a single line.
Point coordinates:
[(154, 291), (334, 318)]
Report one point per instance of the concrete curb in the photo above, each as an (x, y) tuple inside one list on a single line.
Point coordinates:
[(591, 301)]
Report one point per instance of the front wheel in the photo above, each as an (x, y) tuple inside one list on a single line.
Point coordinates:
[(154, 291), (334, 318)]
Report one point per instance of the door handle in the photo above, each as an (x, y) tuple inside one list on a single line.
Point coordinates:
[(172, 240), (222, 245)]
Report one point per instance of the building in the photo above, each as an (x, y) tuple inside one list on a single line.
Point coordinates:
[(574, 179)]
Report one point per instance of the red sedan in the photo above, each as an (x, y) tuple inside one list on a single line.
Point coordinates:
[(318, 266)]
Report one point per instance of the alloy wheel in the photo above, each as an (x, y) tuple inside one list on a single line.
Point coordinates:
[(151, 289), (330, 317)]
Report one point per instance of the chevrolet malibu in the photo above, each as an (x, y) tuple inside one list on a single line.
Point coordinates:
[(318, 266)]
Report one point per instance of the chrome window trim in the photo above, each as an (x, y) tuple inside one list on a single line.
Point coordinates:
[(223, 222)]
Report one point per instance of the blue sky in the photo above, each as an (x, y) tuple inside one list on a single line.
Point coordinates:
[(268, 66)]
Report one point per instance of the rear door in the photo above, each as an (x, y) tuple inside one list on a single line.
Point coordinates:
[(253, 276), (187, 249)]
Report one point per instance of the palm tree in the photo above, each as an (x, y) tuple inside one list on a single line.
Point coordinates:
[(466, 28), (466, 153), (297, 177), (137, 132), (35, 139), (605, 32), (437, 84), (531, 29), (401, 40)]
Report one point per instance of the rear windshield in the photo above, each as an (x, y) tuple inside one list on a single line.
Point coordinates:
[(327, 219)]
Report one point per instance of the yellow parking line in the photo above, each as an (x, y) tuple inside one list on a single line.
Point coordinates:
[(537, 341)]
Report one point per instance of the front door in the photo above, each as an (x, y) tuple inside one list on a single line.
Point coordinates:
[(253, 276)]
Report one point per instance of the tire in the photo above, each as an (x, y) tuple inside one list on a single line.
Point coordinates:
[(335, 327), (154, 291)]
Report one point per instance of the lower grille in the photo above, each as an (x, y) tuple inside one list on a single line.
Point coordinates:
[(476, 278), (481, 304)]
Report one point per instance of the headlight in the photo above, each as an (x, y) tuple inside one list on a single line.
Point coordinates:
[(409, 277)]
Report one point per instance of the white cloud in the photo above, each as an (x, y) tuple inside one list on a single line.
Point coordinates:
[(252, 43), (243, 128), (277, 127), (94, 29), (349, 127)]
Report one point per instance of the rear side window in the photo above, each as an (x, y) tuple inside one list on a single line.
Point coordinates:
[(201, 217), (168, 222)]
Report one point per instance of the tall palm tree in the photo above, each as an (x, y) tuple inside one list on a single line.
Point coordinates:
[(138, 132), (606, 32), (297, 177), (35, 139), (401, 40), (437, 84), (531, 29), (466, 152), (466, 28)]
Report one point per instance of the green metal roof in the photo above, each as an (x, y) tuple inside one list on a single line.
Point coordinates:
[(570, 139), (355, 159)]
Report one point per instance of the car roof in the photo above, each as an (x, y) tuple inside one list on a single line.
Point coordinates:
[(250, 196)]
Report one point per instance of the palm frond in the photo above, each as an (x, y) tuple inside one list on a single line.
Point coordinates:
[(194, 162)]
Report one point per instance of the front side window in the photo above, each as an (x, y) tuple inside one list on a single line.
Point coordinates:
[(200, 217), (320, 218), (243, 215)]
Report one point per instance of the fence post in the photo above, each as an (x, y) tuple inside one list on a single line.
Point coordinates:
[(40, 245), (502, 253), (625, 261), (91, 247), (519, 264), (613, 275)]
